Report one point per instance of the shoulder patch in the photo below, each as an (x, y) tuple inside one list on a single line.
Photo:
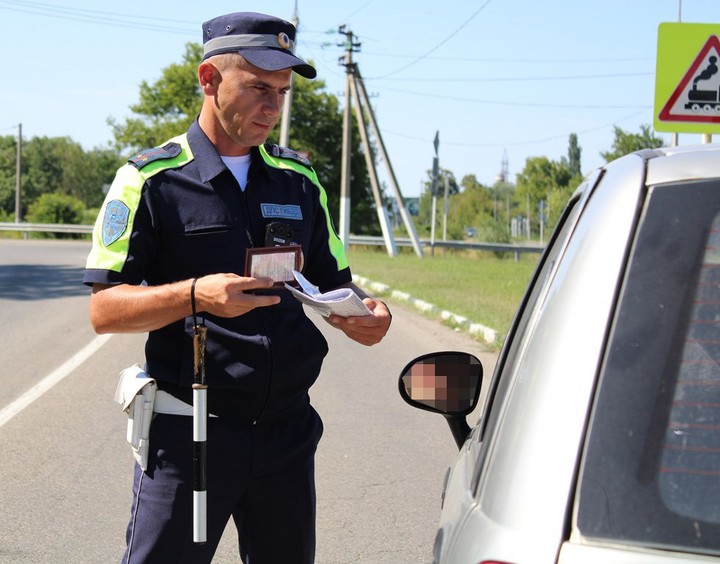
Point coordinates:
[(285, 153), (146, 156), (115, 221)]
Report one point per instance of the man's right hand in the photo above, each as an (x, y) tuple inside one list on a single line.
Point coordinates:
[(226, 295), (136, 309)]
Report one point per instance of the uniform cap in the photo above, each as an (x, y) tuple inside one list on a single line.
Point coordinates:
[(264, 41)]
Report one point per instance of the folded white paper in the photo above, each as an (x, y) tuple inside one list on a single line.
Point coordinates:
[(343, 301)]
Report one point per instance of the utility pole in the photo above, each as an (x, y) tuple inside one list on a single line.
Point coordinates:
[(18, 175), (287, 106), (370, 163), (370, 116), (434, 189), (350, 47), (504, 174), (355, 90), (447, 208), (527, 220)]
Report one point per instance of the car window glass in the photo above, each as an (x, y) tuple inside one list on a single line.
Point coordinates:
[(690, 464), (651, 469)]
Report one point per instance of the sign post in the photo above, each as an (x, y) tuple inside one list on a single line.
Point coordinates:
[(434, 189)]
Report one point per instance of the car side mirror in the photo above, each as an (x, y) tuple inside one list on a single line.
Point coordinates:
[(447, 383)]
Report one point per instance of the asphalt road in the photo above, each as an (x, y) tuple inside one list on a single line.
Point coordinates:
[(66, 471)]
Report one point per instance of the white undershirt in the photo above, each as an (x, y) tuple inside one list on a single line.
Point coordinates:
[(239, 166)]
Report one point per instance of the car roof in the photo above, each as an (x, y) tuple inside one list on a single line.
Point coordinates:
[(681, 163)]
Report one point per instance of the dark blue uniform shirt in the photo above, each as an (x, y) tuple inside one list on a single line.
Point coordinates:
[(177, 212)]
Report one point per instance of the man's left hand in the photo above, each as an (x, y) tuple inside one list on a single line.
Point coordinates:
[(369, 329)]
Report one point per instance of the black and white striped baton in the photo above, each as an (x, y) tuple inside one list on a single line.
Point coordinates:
[(200, 415)]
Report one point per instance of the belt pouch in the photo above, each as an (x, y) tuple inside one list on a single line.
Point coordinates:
[(136, 395)]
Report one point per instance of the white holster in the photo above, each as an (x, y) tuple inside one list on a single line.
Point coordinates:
[(136, 394)]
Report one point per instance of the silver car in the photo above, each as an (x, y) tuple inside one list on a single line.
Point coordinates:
[(599, 440)]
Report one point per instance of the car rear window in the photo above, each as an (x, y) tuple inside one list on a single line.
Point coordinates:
[(651, 469)]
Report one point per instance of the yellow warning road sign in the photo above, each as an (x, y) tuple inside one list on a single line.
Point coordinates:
[(687, 78)]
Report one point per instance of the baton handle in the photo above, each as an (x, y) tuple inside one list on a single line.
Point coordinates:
[(199, 344)]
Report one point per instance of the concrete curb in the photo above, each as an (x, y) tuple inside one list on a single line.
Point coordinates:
[(456, 321)]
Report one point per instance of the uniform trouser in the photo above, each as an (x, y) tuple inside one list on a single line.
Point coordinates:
[(260, 475)]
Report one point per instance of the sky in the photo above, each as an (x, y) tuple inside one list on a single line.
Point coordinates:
[(496, 80)]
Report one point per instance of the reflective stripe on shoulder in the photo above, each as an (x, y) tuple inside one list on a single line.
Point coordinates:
[(113, 227), (337, 249)]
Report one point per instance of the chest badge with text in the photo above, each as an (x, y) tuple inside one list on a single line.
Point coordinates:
[(281, 211)]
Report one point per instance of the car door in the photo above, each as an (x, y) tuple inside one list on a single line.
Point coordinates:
[(510, 501), (649, 489)]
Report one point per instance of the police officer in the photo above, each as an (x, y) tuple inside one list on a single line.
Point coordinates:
[(179, 219)]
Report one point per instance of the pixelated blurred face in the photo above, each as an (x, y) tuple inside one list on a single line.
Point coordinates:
[(445, 386), (249, 101), (422, 383)]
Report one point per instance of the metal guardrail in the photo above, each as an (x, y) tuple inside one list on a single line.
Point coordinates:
[(354, 239), (516, 249), (46, 227)]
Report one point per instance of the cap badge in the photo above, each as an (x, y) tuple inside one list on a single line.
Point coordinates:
[(283, 40)]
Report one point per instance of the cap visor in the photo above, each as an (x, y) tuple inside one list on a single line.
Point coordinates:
[(275, 59)]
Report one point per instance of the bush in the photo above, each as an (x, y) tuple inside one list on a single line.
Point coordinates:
[(57, 208)]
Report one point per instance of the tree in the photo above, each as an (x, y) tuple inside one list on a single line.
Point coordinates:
[(56, 165), (8, 155), (574, 152), (545, 180), (100, 167), (168, 106), (502, 193), (625, 143), (56, 208), (60, 165), (539, 176), (472, 207)]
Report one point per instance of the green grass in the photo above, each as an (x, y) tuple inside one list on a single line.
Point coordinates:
[(479, 286)]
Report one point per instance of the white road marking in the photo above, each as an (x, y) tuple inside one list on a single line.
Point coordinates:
[(57, 375)]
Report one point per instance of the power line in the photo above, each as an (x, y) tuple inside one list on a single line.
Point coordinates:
[(86, 11), (95, 16), (448, 38), (361, 8), (521, 78), (523, 103), (523, 61), (518, 143)]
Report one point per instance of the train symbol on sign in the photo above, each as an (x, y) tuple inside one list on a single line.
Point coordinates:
[(704, 100)]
